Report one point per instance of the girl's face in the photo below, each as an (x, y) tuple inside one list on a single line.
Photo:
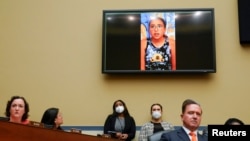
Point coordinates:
[(157, 29), (17, 108)]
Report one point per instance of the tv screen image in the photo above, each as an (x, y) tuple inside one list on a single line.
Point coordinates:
[(158, 41)]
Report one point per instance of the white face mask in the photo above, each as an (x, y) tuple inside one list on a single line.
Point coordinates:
[(156, 114), (119, 109)]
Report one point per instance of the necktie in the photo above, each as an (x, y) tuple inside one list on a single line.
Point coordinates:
[(193, 136)]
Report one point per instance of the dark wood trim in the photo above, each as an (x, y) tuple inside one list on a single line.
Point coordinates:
[(18, 132)]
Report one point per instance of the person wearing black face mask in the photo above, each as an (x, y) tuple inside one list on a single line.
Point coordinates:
[(156, 124), (120, 124)]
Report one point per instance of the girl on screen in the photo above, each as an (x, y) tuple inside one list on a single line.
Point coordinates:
[(156, 52)]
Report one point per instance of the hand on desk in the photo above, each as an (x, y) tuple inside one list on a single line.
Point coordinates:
[(119, 135)]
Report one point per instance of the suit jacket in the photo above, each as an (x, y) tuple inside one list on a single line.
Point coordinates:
[(180, 135)]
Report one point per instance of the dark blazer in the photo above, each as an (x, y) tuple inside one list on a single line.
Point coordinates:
[(130, 127), (180, 135)]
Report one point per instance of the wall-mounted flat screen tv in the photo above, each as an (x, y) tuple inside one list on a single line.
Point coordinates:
[(158, 41)]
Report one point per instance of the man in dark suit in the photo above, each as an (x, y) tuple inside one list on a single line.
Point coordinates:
[(191, 119)]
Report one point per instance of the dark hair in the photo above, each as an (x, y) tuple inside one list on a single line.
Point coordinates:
[(125, 112), (26, 107), (154, 105), (233, 120), (188, 102), (49, 117), (159, 18)]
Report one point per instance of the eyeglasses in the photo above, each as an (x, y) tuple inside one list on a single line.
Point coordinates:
[(156, 26)]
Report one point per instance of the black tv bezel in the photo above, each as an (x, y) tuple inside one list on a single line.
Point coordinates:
[(203, 71)]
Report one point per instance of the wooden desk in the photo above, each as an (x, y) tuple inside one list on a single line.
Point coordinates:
[(18, 132)]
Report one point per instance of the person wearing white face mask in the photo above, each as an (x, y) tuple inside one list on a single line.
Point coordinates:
[(120, 124), (155, 125)]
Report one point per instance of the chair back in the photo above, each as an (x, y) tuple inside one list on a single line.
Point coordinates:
[(157, 136)]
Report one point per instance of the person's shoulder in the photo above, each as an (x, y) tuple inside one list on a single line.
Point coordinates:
[(60, 128), (129, 116), (203, 137), (111, 116), (147, 124), (175, 132), (26, 122), (167, 125), (144, 127), (148, 40), (168, 134), (172, 131), (165, 122), (171, 134)]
